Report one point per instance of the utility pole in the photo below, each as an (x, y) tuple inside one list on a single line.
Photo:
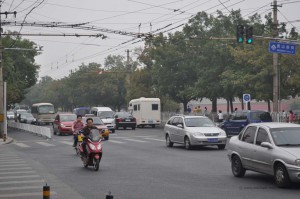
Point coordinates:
[(275, 65), (2, 118)]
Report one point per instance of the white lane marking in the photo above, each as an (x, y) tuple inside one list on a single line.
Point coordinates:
[(13, 165), (22, 145), (21, 182), (16, 177), (15, 172), (133, 140), (45, 144), (12, 162), (114, 141), (143, 136), (19, 188), (14, 195), (67, 142), (155, 139), (9, 159), (11, 169)]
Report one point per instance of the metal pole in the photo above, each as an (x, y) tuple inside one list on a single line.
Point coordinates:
[(275, 64), (1, 84), (5, 113)]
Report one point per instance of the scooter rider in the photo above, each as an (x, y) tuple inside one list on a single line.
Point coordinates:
[(85, 133), (76, 127)]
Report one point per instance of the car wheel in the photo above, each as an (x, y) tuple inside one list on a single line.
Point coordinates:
[(221, 146), (281, 175), (54, 132), (153, 125), (133, 128), (169, 143), (124, 127), (237, 167), (187, 143), (113, 130)]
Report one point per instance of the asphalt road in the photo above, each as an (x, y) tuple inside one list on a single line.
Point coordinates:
[(135, 165)]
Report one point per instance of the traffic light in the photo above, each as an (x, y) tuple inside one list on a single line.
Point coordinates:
[(240, 33), (249, 35)]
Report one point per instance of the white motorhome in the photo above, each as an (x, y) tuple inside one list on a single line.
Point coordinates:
[(147, 111), (106, 115)]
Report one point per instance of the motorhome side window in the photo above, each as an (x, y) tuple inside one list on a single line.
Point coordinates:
[(155, 107), (135, 107)]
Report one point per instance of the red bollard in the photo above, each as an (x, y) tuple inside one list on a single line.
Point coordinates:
[(109, 196)]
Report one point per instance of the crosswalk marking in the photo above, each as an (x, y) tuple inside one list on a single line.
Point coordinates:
[(16, 177), (12, 162), (115, 141), (133, 140), (21, 182), (155, 139), (22, 145), (13, 165), (11, 169), (67, 142), (13, 195), (19, 188), (15, 172), (45, 144)]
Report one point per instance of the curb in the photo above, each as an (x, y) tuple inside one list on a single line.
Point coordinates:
[(8, 141)]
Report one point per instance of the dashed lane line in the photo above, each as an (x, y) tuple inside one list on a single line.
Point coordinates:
[(115, 141), (155, 139), (45, 144), (21, 182), (22, 145)]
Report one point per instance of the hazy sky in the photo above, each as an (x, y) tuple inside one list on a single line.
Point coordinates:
[(61, 54)]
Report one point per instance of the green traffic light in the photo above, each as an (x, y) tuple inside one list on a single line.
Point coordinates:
[(249, 41), (240, 40)]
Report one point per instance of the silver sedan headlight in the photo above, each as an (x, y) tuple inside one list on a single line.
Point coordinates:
[(197, 134), (298, 162), (222, 133)]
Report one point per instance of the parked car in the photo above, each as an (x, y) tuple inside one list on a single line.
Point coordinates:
[(124, 120), (63, 123), (100, 125), (10, 115), (27, 118), (269, 148), (238, 120), (192, 131)]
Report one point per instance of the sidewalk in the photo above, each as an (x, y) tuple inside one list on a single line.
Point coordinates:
[(8, 141)]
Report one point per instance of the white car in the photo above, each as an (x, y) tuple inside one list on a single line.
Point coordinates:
[(192, 131)]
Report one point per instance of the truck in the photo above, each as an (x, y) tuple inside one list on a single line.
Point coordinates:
[(147, 111)]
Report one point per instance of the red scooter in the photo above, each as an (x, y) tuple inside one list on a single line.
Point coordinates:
[(94, 150)]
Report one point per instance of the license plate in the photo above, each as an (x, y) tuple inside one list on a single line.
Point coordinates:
[(127, 120), (212, 139), (150, 121)]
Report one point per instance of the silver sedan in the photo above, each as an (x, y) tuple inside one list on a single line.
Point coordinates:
[(269, 148)]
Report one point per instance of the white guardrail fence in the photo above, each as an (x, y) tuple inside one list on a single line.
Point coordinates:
[(38, 130)]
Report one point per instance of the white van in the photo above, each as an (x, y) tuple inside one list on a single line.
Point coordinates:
[(106, 115), (147, 111)]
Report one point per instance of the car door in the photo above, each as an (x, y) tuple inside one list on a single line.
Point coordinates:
[(173, 130), (246, 145), (261, 155), (180, 131)]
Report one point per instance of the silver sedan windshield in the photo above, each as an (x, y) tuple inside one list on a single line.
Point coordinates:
[(198, 122), (286, 136)]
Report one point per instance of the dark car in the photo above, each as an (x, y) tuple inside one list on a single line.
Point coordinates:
[(26, 118), (124, 120), (63, 123), (238, 120)]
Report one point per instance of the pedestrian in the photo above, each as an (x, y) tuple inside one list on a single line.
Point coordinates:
[(235, 109), (284, 116), (220, 116), (189, 110), (291, 117), (205, 111)]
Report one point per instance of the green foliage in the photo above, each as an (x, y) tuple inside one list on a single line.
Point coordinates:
[(19, 68)]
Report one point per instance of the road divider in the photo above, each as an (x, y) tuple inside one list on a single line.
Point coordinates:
[(38, 130)]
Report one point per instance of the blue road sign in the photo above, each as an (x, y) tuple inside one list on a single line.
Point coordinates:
[(246, 97), (282, 48)]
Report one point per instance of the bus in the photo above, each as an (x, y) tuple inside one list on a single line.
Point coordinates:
[(147, 111), (81, 111), (44, 113)]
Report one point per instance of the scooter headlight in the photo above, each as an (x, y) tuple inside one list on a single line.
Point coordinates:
[(92, 146), (99, 147)]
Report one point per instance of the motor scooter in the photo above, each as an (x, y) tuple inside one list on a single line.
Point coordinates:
[(94, 150)]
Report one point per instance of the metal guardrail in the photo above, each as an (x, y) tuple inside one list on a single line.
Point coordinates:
[(38, 130)]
